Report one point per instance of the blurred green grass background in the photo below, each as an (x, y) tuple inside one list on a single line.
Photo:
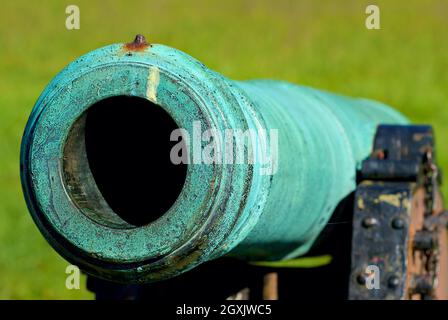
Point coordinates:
[(318, 43)]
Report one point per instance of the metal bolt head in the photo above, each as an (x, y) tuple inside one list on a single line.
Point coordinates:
[(398, 223), (422, 284), (140, 39), (425, 240), (393, 282), (369, 222), (361, 279)]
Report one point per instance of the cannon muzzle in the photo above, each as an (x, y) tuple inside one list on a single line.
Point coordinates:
[(139, 163)]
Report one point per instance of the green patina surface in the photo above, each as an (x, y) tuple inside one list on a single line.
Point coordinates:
[(323, 44), (239, 209)]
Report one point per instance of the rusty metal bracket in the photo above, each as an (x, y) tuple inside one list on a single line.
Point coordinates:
[(398, 225)]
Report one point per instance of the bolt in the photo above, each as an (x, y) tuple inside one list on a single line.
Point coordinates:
[(361, 279), (393, 282), (398, 223), (369, 222), (140, 39), (425, 240), (422, 284)]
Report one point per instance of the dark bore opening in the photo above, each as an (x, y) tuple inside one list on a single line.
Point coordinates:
[(127, 149)]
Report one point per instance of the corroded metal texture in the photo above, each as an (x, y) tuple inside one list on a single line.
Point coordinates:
[(398, 225), (222, 209)]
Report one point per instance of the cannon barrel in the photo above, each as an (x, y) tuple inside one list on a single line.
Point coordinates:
[(100, 182)]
